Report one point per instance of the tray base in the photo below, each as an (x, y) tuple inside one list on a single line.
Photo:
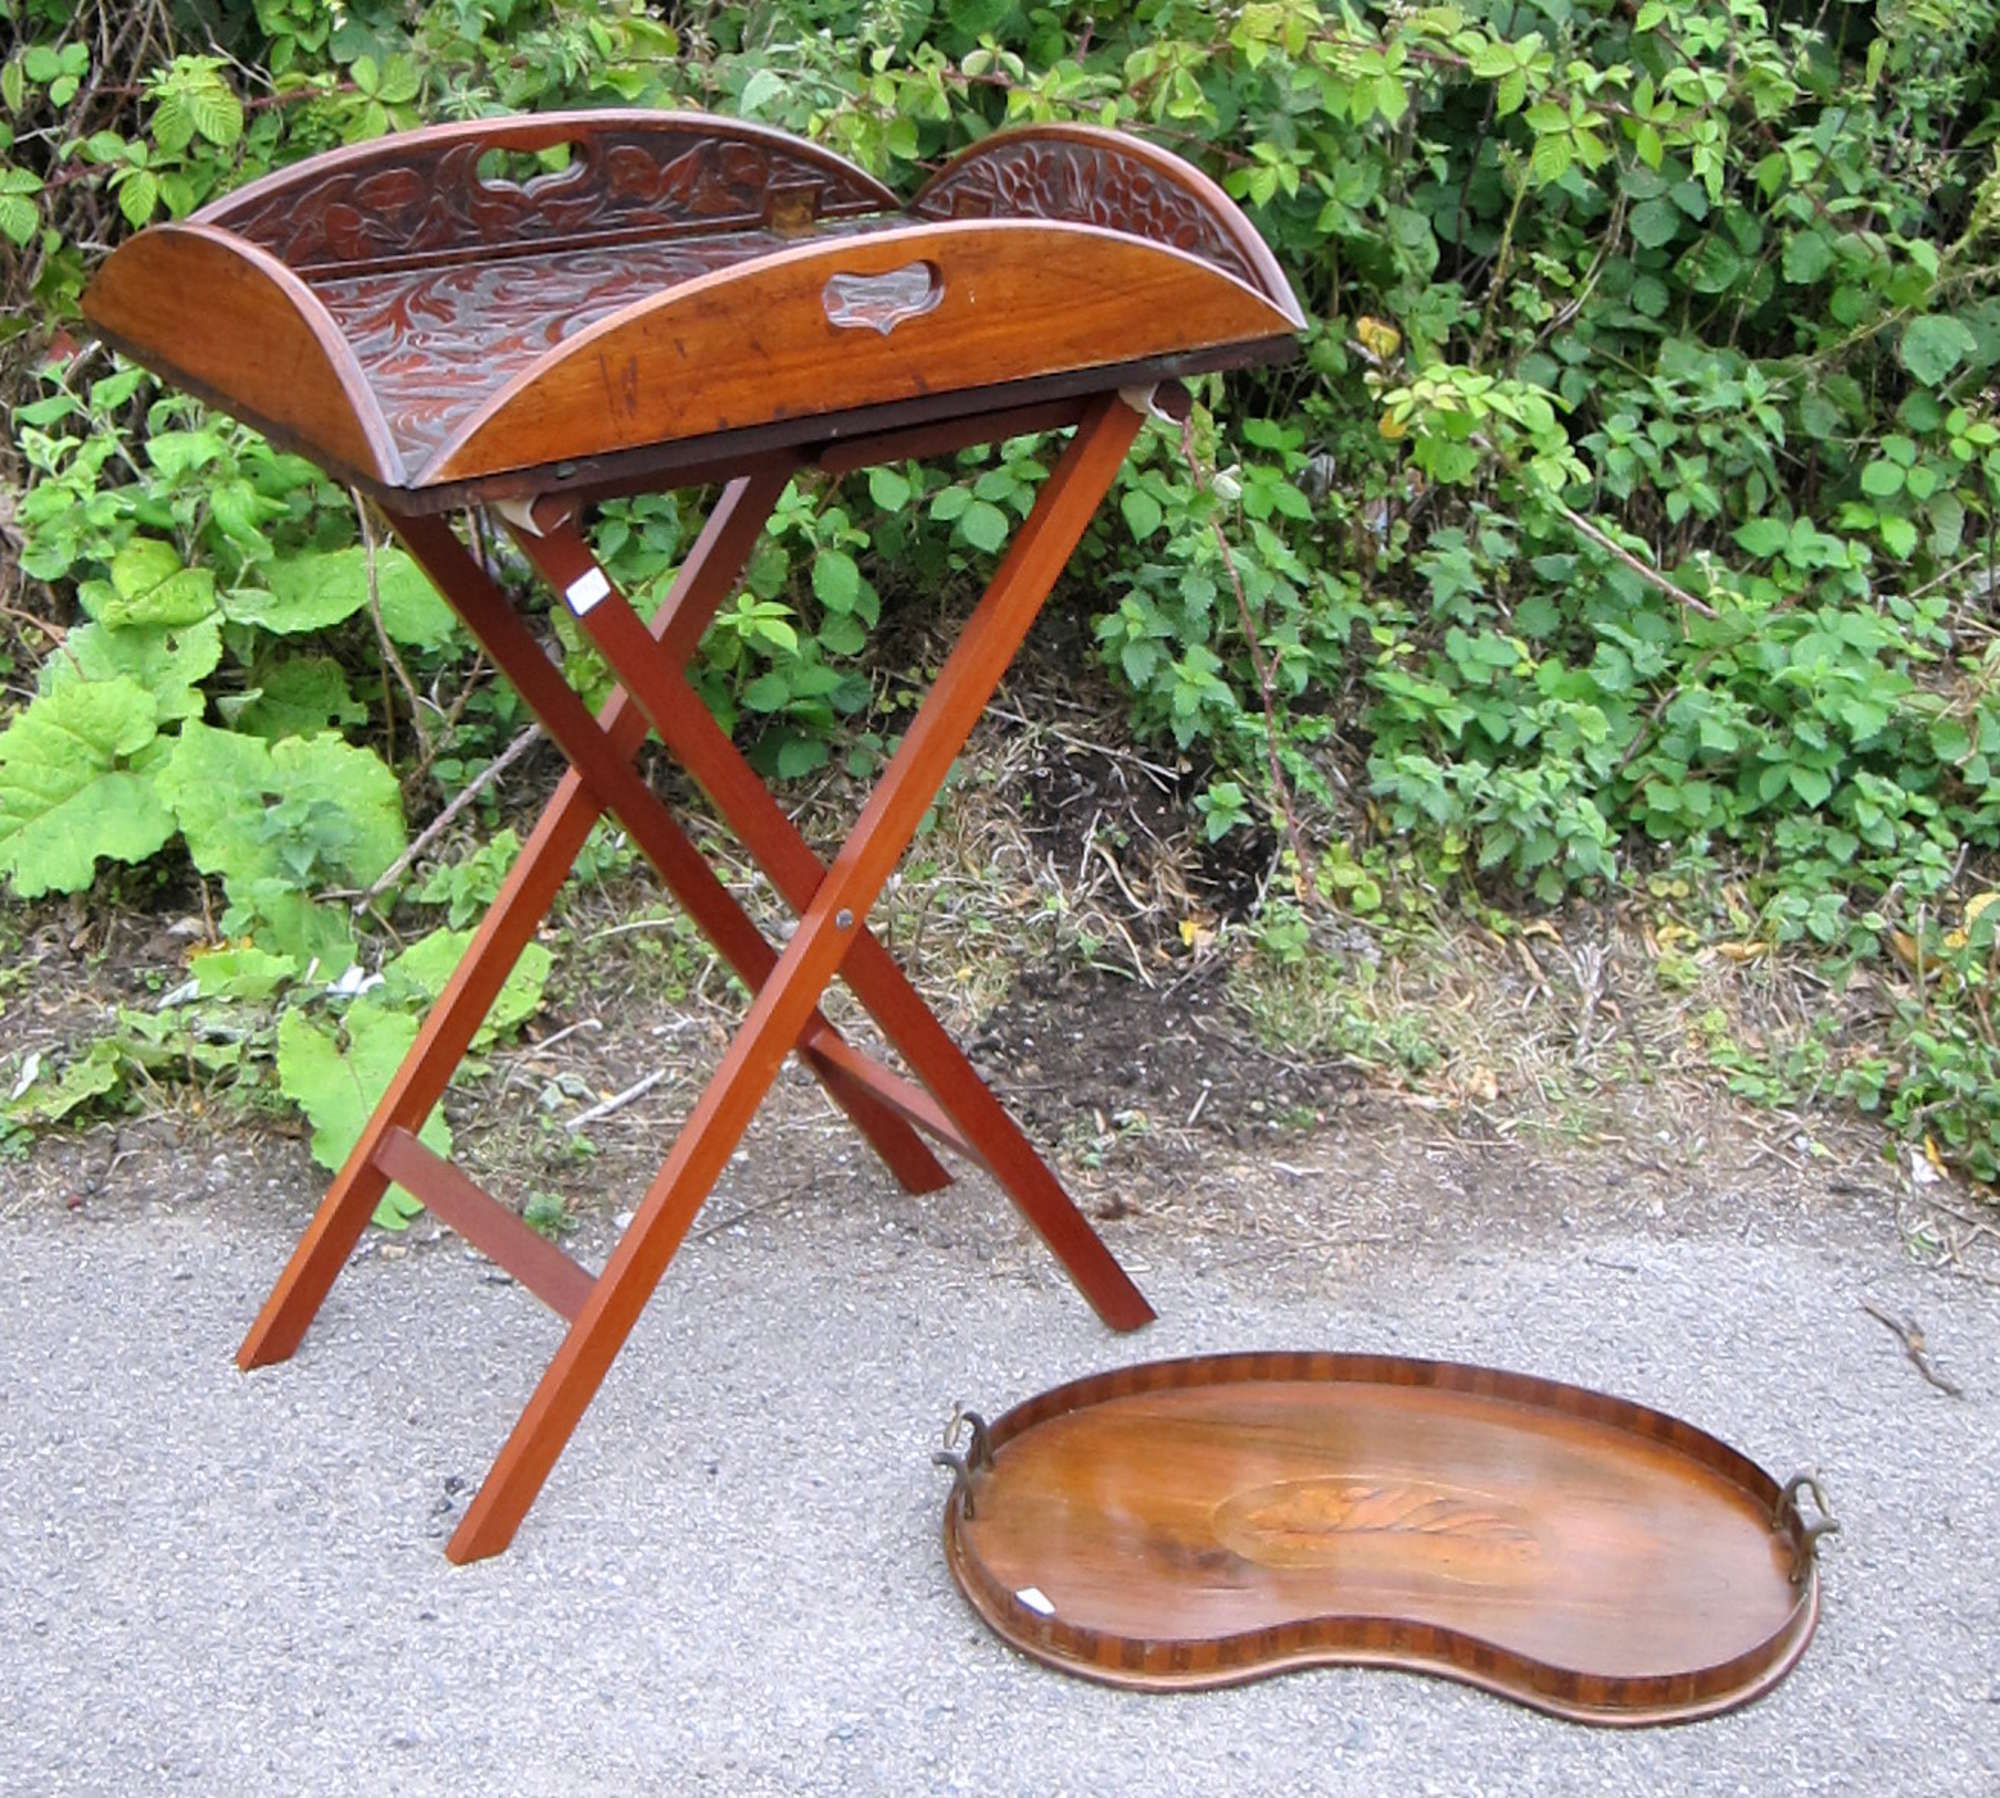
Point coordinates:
[(1200, 1523)]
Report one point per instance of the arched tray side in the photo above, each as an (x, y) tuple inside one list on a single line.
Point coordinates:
[(1170, 1664), (233, 324), (1081, 174), (417, 197), (829, 326)]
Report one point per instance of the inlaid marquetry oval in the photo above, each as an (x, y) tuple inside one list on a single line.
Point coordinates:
[(1197, 1523), (1395, 1525)]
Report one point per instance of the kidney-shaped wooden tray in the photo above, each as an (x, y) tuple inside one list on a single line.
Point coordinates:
[(1202, 1522)]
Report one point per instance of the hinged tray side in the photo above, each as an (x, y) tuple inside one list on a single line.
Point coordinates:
[(231, 323), (417, 197), (1085, 175), (830, 326)]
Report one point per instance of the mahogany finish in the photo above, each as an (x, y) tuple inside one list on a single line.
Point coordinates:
[(1203, 1522), (418, 327), (692, 300)]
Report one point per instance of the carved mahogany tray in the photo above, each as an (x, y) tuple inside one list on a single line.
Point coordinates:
[(426, 326), (1203, 1522)]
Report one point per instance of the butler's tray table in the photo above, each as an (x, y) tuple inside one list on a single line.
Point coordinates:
[(691, 302)]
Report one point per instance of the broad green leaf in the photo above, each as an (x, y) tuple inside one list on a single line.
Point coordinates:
[(241, 972), (1935, 345), (310, 592), (843, 635), (336, 1073), (888, 489), (216, 112), (1763, 537), (297, 696), (770, 692), (983, 526), (167, 660), (88, 1076), (301, 812), (150, 585), (1654, 222), (424, 967), (836, 580), (1142, 513), (1807, 257), (1880, 479), (67, 793)]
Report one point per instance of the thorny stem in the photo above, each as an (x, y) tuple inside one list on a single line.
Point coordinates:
[(1308, 875)]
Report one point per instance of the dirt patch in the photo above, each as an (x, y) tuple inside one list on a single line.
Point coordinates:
[(1069, 1046)]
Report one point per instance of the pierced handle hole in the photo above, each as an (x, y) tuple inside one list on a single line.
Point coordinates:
[(882, 302), (525, 168)]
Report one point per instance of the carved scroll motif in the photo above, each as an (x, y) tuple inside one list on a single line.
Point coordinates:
[(434, 343), (1084, 184), (436, 203)]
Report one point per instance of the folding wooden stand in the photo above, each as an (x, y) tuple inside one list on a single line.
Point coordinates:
[(703, 301)]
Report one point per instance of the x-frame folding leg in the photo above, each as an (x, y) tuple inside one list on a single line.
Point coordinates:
[(783, 1014), (524, 899), (964, 1113)]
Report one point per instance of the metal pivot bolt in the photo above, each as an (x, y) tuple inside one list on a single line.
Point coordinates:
[(843, 919)]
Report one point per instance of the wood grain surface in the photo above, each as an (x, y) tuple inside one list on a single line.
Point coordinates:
[(1199, 1523)]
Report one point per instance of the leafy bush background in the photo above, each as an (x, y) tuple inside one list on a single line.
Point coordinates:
[(1628, 525)]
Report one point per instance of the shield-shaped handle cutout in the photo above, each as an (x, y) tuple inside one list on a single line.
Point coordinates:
[(882, 302)]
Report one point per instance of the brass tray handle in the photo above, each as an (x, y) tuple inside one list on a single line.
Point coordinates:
[(976, 1456), (1786, 1515)]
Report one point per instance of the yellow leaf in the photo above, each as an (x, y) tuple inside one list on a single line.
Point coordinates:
[(1977, 904), (1381, 339), (1742, 951), (1392, 428), (1904, 945)]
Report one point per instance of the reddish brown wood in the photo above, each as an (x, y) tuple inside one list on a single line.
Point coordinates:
[(734, 346), (785, 1001), (1199, 1523), (974, 1116), (484, 1222), (233, 323), (509, 925), (693, 300), (618, 787), (426, 330), (416, 197), (1082, 175)]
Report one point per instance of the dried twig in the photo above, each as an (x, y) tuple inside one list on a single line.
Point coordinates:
[(438, 825), (618, 1101), (370, 548), (1912, 1339)]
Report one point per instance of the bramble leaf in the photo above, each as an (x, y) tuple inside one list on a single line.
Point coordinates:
[(1935, 345)]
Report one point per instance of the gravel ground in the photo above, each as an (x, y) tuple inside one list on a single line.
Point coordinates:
[(218, 1584)]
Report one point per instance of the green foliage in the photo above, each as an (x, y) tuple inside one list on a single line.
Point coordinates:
[(1632, 497), (335, 1072)]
